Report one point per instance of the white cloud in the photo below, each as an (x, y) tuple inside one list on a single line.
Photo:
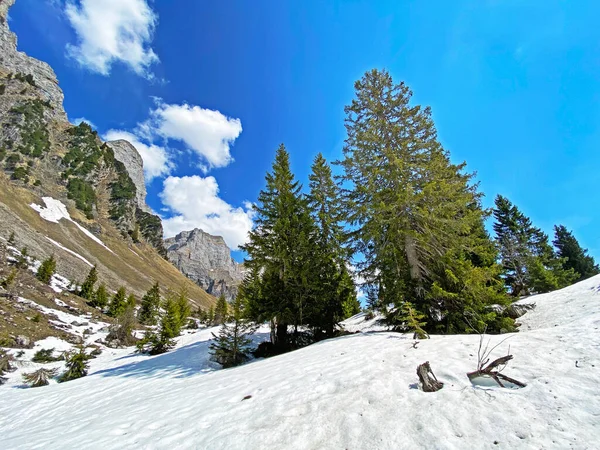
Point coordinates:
[(110, 31), (156, 159), (206, 132), (196, 204)]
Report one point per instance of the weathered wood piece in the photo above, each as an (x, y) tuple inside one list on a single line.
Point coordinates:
[(429, 383)]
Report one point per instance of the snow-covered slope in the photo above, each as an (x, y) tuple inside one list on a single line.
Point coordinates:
[(354, 392)]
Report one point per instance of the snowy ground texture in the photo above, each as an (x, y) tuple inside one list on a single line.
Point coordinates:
[(355, 392)]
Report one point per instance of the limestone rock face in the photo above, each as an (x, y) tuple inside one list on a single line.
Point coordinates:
[(207, 260), (129, 156), (15, 61)]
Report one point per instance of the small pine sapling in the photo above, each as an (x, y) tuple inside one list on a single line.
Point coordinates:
[(232, 345), (23, 259), (77, 365), (46, 356), (150, 306), (12, 241), (100, 299), (46, 270), (40, 377), (414, 321), (118, 304), (87, 288)]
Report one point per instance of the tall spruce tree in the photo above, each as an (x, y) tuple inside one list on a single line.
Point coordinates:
[(529, 262), (148, 312), (280, 248), (413, 214), (334, 286), (574, 257), (87, 288), (101, 297)]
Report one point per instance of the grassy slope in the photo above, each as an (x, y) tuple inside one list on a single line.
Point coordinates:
[(133, 266)]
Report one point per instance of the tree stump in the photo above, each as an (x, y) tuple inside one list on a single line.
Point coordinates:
[(429, 383)]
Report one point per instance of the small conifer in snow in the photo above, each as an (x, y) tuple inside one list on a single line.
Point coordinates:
[(221, 310), (40, 377), (232, 345), (150, 305), (100, 299), (87, 288), (118, 304), (77, 365)]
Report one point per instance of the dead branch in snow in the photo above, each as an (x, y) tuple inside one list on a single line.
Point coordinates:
[(429, 383)]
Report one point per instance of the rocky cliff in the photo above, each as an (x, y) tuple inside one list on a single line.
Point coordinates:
[(126, 153), (207, 260), (18, 62)]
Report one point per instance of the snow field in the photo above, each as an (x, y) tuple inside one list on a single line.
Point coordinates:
[(355, 392)]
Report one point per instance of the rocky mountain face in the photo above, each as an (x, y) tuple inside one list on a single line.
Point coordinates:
[(98, 187), (206, 259)]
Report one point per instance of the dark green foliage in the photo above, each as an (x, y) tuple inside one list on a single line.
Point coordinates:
[(170, 325), (529, 262), (414, 216), (150, 228), (280, 249), (131, 301), (184, 310), (231, 346), (148, 312), (118, 304), (46, 270), (87, 288), (574, 257), (77, 365), (84, 195), (2, 153), (12, 239), (46, 356), (25, 78), (84, 152), (20, 173), (221, 315), (11, 161), (35, 139), (100, 299), (2, 89), (37, 183), (122, 193), (40, 377)]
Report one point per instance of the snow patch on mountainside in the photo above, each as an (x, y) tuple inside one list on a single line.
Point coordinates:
[(355, 392), (56, 210)]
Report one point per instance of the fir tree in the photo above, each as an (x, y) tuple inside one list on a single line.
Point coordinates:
[(76, 364), (46, 270), (210, 316), (118, 304), (232, 345), (169, 328), (100, 299), (529, 262), (182, 305), (131, 301), (221, 310), (87, 288), (148, 312), (574, 257), (280, 248), (415, 217), (40, 377), (12, 241)]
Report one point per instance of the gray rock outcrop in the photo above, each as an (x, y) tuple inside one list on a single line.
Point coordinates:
[(18, 62), (206, 260), (129, 156)]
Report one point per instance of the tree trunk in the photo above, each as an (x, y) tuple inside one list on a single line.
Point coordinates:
[(281, 336)]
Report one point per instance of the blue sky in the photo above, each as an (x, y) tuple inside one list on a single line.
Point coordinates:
[(207, 91)]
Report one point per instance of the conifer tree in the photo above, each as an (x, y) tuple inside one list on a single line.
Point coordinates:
[(334, 288), (221, 310), (210, 316), (12, 241), (77, 365), (529, 262), (39, 377), (46, 270), (280, 250), (150, 305), (23, 259), (118, 303), (232, 345), (574, 257), (100, 299), (415, 217), (87, 288), (131, 301), (184, 310)]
